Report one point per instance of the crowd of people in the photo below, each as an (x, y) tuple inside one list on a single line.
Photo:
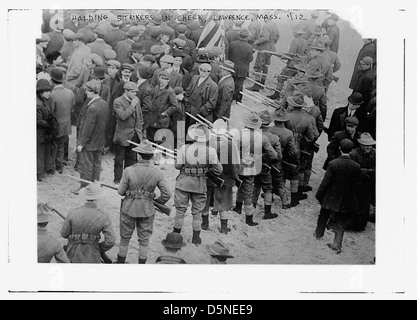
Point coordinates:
[(130, 86)]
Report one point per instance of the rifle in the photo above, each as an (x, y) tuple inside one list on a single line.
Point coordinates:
[(279, 55), (262, 85), (158, 206), (246, 107), (269, 102), (103, 255)]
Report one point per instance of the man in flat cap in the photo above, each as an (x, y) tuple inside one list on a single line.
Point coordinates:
[(364, 84), (76, 61), (57, 38), (368, 50), (84, 226), (145, 94), (41, 44), (123, 48), (337, 195), (89, 31), (99, 45), (226, 89), (48, 246), (68, 46), (115, 34), (233, 34), (350, 133), (167, 63), (129, 127), (190, 46), (138, 186), (126, 72), (241, 54)]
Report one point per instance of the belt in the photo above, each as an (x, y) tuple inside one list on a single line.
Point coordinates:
[(194, 172), (83, 238), (140, 194)]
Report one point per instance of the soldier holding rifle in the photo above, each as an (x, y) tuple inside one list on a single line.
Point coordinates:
[(138, 185)]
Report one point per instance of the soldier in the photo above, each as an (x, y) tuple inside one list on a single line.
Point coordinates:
[(219, 252), (241, 54), (129, 127), (226, 89), (137, 210), (318, 93), (92, 134), (255, 147), (302, 126), (172, 244), (48, 246), (194, 162), (299, 43), (83, 226), (334, 58), (333, 31), (264, 179), (222, 197), (289, 159), (321, 61)]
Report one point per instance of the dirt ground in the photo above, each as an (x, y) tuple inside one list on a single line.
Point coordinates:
[(285, 240)]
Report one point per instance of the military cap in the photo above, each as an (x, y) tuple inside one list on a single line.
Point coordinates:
[(296, 101), (228, 66), (114, 63), (96, 59), (180, 42), (99, 73), (131, 86), (156, 49), (164, 74), (313, 73), (128, 66), (155, 32), (43, 85), (300, 78), (91, 192), (109, 54), (305, 89), (182, 28), (252, 120), (93, 85), (352, 121), (44, 213), (318, 45), (318, 31), (266, 117), (198, 132), (57, 75), (280, 115), (367, 60), (244, 33), (137, 47), (68, 34), (145, 72), (168, 59), (144, 147), (133, 31)]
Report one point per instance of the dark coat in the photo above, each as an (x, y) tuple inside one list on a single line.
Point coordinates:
[(202, 99), (113, 36), (368, 50), (56, 43), (300, 123), (364, 85), (334, 35), (287, 141), (145, 95), (241, 54), (333, 151), (164, 101), (175, 79), (42, 115), (298, 46), (129, 121), (225, 97), (337, 122), (88, 33), (338, 189), (62, 102), (123, 51), (232, 35), (98, 47), (93, 126)]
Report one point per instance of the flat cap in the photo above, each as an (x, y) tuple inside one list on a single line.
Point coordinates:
[(68, 34), (131, 86), (156, 49), (79, 36), (168, 59), (145, 72), (96, 59), (133, 31), (352, 121), (137, 47), (128, 66), (180, 42), (114, 63), (367, 60), (109, 54), (93, 85), (164, 74)]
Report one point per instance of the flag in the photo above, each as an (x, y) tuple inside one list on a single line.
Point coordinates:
[(213, 33)]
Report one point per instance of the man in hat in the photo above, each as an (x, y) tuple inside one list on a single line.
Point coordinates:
[(99, 74), (299, 43), (190, 46), (337, 122), (267, 41), (84, 226), (233, 34), (92, 134), (194, 162), (321, 61), (311, 24), (89, 31), (56, 37), (145, 94), (302, 126), (263, 181), (368, 50), (365, 156), (48, 246), (76, 61), (337, 195), (350, 133), (255, 148), (365, 82), (318, 92), (222, 196), (129, 127), (334, 58), (241, 54), (219, 252), (115, 34), (41, 45), (289, 161), (138, 185), (99, 45), (109, 54), (123, 48), (167, 63), (61, 101), (330, 24), (126, 72), (226, 89), (202, 93), (173, 244), (53, 60), (68, 46)]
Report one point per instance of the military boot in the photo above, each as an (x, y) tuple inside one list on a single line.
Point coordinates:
[(268, 214), (196, 238), (250, 222), (238, 208), (177, 230), (223, 226), (294, 199), (121, 260), (142, 261), (205, 224)]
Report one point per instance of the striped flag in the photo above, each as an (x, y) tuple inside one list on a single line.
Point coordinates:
[(213, 33)]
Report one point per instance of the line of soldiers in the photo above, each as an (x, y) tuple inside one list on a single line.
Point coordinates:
[(145, 110)]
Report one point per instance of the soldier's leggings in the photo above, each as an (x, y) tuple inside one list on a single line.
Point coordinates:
[(181, 202), (278, 186), (245, 193), (263, 182)]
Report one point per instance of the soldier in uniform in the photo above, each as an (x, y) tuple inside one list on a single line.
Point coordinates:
[(255, 147), (299, 43), (289, 158), (264, 179), (222, 197), (321, 61), (194, 162), (318, 93), (83, 227), (48, 246), (137, 210), (173, 244), (302, 126)]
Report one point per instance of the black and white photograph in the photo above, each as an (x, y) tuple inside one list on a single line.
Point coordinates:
[(245, 137)]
